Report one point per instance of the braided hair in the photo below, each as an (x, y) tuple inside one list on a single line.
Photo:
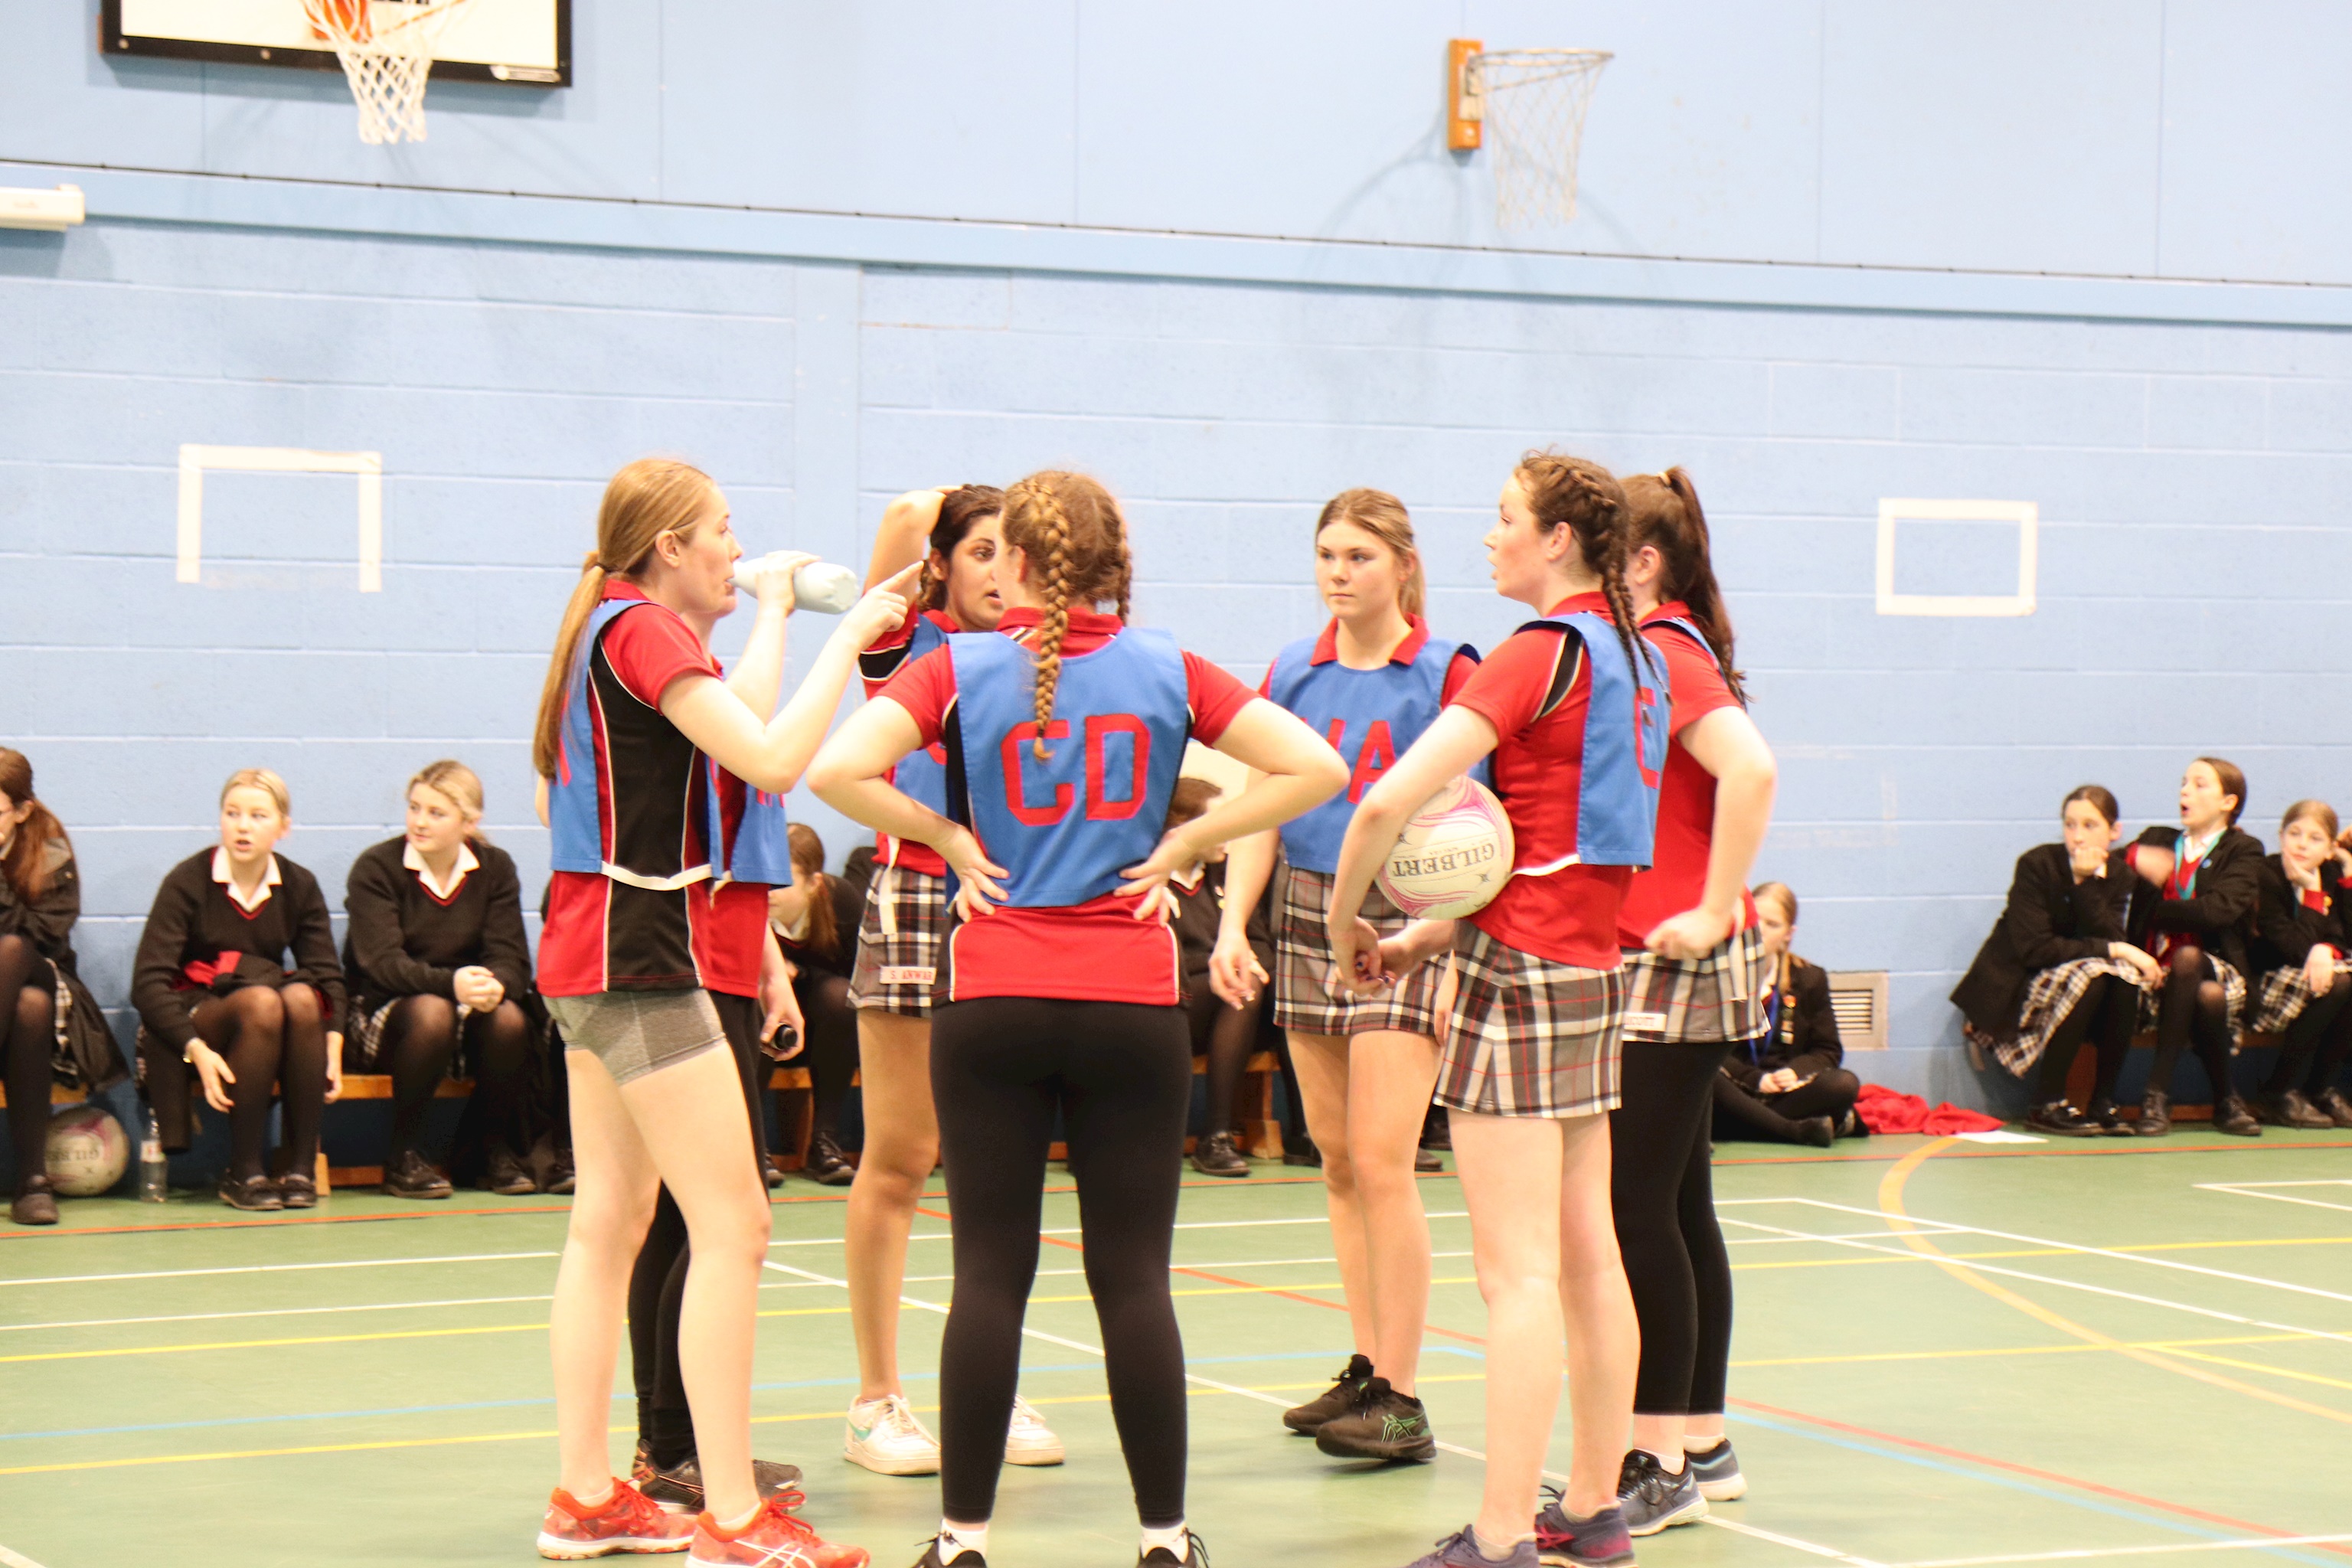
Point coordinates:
[(1667, 518), (1071, 529), (1587, 499)]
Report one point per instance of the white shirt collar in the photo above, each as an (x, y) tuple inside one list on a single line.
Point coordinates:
[(1190, 880), (466, 863), (2198, 849), (236, 894)]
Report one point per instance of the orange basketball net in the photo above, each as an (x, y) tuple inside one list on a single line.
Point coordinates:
[(386, 50)]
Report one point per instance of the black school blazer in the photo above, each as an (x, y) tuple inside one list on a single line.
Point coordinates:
[(2221, 915), (2049, 920), (2286, 929)]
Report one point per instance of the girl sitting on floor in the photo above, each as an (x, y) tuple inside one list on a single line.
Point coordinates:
[(1788, 1088)]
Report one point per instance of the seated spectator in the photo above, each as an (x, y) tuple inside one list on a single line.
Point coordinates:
[(815, 921), (1220, 1032), (218, 1007), (2057, 968), (2207, 877), (2301, 980), (435, 958), (52, 1031), (1788, 1088)]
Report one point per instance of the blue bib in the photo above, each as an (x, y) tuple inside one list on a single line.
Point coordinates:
[(922, 775), (1627, 724), (761, 847), (1370, 716), (576, 828), (1690, 629), (1065, 826)]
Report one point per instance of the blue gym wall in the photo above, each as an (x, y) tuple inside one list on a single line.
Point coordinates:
[(2083, 256)]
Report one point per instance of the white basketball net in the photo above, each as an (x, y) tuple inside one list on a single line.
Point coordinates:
[(1533, 102), (386, 47)]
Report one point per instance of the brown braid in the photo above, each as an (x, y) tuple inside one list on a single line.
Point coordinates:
[(1666, 516), (1589, 500), (1076, 541)]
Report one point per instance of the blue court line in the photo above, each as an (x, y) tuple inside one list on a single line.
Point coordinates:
[(1994, 1477), (617, 1398)]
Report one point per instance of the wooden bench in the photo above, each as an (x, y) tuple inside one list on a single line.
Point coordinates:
[(2085, 1072), (58, 1095)]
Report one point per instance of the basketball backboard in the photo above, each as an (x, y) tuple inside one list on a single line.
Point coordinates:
[(527, 42)]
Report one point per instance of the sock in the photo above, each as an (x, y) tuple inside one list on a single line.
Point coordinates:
[(600, 1502), (731, 1526), (1673, 1468), (957, 1537), (1175, 1538), (1492, 1553), (670, 1438), (1704, 1445)]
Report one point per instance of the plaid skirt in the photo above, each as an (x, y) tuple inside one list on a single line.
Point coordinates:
[(1700, 1001), (363, 1038), (2282, 996), (1302, 963), (899, 942), (2050, 995), (2234, 1000), (1529, 1036)]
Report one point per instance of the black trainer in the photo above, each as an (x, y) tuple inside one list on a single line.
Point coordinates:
[(679, 1488), (1381, 1424), (410, 1177), (1651, 1499), (1332, 1403), (2059, 1120), (966, 1558), (828, 1166), (1216, 1156), (1196, 1554)]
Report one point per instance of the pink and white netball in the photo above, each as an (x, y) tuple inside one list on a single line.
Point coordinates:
[(1453, 856)]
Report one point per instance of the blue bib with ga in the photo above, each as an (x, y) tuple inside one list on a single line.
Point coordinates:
[(1370, 716), (1627, 724), (1066, 825)]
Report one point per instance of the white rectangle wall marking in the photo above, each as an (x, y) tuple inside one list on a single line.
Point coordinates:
[(2024, 513), (368, 466)]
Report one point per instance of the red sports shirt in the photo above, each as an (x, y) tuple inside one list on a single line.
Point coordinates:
[(1537, 707), (725, 925), (1676, 879), (1093, 951), (876, 667)]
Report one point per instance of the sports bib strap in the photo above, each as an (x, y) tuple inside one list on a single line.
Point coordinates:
[(922, 775), (1628, 721), (755, 843), (582, 798), (1064, 825)]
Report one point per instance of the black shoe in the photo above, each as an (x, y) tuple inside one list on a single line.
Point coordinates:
[(1301, 1151), (2060, 1120), (679, 1488), (966, 1558), (298, 1192), (1850, 1124), (37, 1201), (2337, 1107), (1651, 1499), (2230, 1116), (1216, 1156), (2155, 1115), (561, 1179), (505, 1175), (410, 1177), (771, 1173), (828, 1166), (1381, 1424), (1333, 1401), (1818, 1131), (2108, 1117), (255, 1194), (1196, 1554), (1437, 1129), (2291, 1109), (1425, 1161)]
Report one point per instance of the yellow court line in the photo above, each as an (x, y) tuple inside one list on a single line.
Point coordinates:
[(1890, 1200), (2272, 1371), (2018, 1350)]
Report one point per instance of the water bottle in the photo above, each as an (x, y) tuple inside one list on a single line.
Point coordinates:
[(154, 1173), (819, 585)]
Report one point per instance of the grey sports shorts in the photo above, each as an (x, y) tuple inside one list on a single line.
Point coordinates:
[(633, 1033)]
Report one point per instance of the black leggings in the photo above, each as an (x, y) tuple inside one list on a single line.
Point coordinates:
[(1773, 1118), (2108, 1011), (2191, 1012), (274, 1038), (1662, 1189), (2311, 1052), (658, 1282), (1119, 1075), (28, 1038), (1224, 1034), (830, 1051), (420, 1040)]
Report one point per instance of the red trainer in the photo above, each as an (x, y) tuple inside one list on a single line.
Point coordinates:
[(627, 1522), (773, 1539)]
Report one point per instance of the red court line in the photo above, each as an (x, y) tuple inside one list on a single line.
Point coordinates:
[(1974, 1152)]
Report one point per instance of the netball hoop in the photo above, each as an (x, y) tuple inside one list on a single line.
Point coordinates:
[(1532, 102), (386, 49)]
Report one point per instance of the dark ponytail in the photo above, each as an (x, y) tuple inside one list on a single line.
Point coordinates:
[(959, 508), (1667, 518)]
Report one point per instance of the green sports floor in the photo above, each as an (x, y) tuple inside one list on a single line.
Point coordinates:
[(1948, 1354)]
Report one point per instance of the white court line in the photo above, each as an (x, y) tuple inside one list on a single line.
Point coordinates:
[(2251, 1543), (272, 1312), (1906, 1254), (15, 1559), (1952, 1228), (2247, 1190), (276, 1267)]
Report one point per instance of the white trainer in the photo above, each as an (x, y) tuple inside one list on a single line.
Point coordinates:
[(885, 1437), (1029, 1441)]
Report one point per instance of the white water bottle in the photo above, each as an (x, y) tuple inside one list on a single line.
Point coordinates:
[(819, 585), (154, 1174)]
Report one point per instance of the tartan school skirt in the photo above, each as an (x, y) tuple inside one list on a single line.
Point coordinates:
[(1302, 961), (2050, 995), (1699, 1000), (1529, 1036), (899, 942), (2284, 994), (2234, 1000)]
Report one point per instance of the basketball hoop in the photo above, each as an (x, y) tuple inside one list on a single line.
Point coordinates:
[(386, 47), (1535, 102)]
